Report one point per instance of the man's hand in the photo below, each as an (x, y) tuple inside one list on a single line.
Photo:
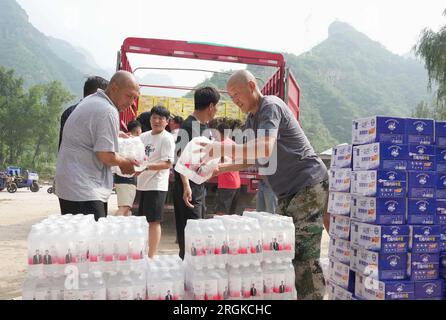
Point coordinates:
[(127, 166), (217, 171), (187, 197)]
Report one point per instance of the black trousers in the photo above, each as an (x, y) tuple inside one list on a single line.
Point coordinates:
[(183, 212), (97, 208)]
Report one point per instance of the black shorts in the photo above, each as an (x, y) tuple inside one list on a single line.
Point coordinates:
[(97, 208), (151, 205), (227, 200)]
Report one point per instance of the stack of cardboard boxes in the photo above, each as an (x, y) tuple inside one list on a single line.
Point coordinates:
[(396, 222)]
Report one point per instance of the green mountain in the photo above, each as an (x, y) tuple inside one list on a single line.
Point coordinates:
[(348, 76), (38, 58)]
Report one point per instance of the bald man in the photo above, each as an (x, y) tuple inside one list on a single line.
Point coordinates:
[(298, 177), (89, 148)]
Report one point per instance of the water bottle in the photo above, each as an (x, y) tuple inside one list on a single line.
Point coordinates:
[(246, 275), (245, 239), (268, 239), (29, 286), (235, 282), (166, 282), (210, 283), (137, 243), (43, 288), (233, 242), (153, 282), (57, 287), (178, 282), (223, 282), (221, 253), (268, 280), (256, 241), (139, 285), (85, 292), (198, 284), (125, 286), (194, 243), (35, 246), (99, 290), (112, 286), (257, 282), (279, 292), (290, 279), (210, 242)]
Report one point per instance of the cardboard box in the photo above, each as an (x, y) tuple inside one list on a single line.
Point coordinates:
[(341, 156), (341, 275), (340, 227), (440, 205), (384, 211), (377, 265), (335, 292), (354, 232), (378, 129), (339, 203), (425, 239), (429, 289), (422, 158), (379, 183), (384, 239), (440, 191), (443, 238), (440, 133), (372, 289), (380, 155), (339, 249), (440, 159), (420, 131), (421, 184), (340, 180), (421, 211)]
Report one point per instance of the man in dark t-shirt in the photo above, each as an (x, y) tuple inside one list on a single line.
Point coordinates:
[(90, 86), (280, 150), (189, 197)]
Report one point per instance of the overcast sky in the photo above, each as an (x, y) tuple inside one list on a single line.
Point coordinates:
[(100, 26)]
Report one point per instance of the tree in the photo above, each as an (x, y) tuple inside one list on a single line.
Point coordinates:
[(432, 48)]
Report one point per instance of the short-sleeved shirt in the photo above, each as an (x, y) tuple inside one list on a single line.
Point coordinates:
[(229, 180), (92, 127), (159, 147), (293, 164)]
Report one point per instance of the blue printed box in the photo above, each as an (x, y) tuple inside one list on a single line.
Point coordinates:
[(443, 260), (441, 211), (380, 266), (371, 289), (420, 131), (425, 239), (380, 156), (421, 184), (341, 156), (424, 261), (422, 158), (443, 238), (341, 275), (440, 133), (421, 211), (378, 129), (339, 249), (339, 180), (383, 211), (384, 239), (440, 191), (429, 290), (339, 203), (379, 183), (441, 159)]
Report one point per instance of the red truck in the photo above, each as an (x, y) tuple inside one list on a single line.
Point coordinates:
[(282, 83)]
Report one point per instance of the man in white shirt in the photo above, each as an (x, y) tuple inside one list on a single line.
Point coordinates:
[(153, 182)]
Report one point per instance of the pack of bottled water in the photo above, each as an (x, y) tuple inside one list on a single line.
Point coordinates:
[(77, 249), (133, 149), (234, 239), (270, 280)]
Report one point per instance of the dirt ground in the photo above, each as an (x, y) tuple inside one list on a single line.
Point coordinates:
[(19, 211)]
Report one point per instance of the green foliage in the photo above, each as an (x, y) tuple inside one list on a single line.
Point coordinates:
[(432, 48), (29, 122)]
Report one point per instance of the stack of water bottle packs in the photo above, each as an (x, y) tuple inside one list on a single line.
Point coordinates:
[(387, 204), (76, 258), (235, 257)]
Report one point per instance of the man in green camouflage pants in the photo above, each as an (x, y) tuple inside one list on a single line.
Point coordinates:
[(297, 176), (307, 208)]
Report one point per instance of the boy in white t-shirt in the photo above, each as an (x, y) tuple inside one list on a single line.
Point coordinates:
[(153, 182)]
